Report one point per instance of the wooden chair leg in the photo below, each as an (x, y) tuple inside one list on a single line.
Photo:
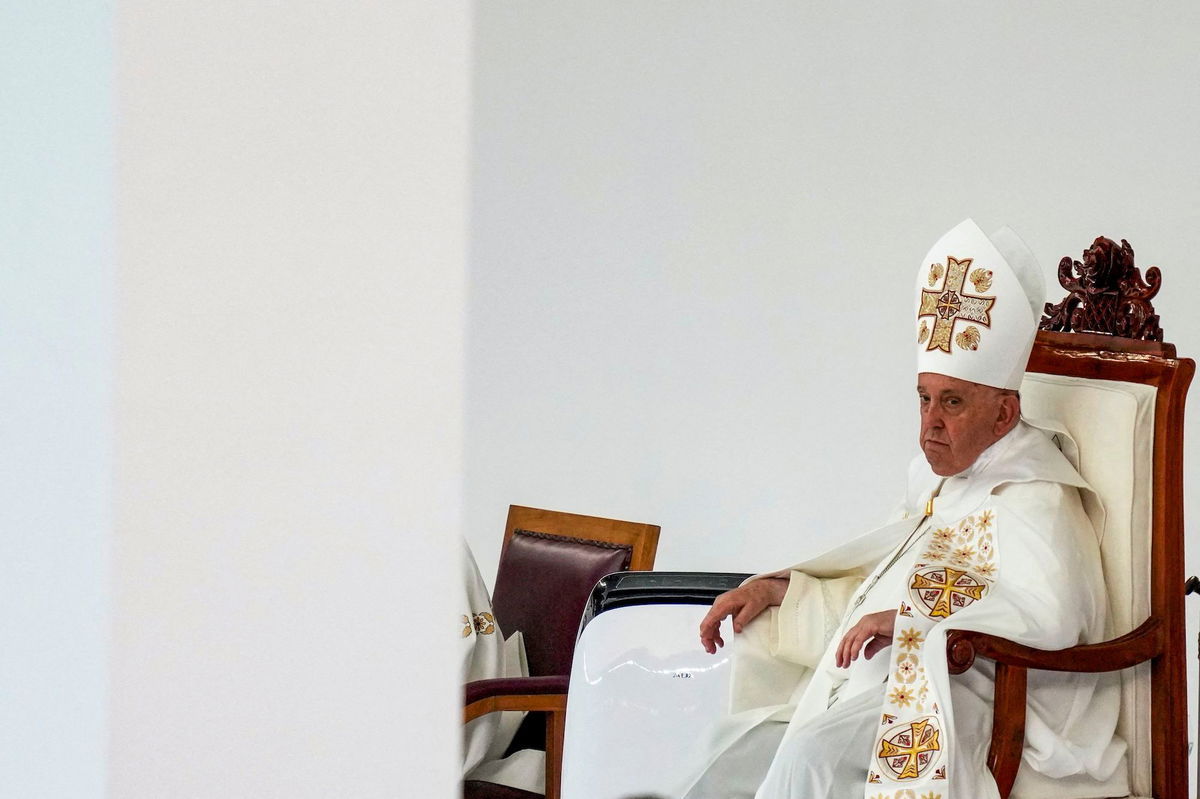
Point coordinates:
[(556, 727), (1008, 726)]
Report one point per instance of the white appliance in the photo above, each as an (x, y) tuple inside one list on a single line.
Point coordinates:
[(643, 692)]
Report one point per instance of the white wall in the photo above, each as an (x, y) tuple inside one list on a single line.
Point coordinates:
[(292, 240), (695, 229), (56, 383)]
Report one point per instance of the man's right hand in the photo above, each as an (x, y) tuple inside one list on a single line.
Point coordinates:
[(743, 603)]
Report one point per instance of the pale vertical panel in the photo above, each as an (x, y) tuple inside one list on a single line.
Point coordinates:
[(56, 392), (291, 207)]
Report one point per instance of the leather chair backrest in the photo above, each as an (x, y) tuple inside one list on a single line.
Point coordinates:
[(542, 587)]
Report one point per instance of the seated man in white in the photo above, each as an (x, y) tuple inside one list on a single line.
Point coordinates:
[(992, 536)]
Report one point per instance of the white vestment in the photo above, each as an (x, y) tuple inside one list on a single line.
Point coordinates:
[(486, 655), (1008, 550)]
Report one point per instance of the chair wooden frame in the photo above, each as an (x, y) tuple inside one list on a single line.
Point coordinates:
[(548, 693), (1160, 638), (642, 538)]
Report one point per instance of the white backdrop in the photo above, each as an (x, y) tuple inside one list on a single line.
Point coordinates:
[(696, 227)]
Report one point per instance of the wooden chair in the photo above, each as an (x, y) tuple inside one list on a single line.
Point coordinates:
[(1119, 392), (548, 566)]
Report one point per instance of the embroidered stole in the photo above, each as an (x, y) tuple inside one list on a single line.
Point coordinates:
[(911, 755)]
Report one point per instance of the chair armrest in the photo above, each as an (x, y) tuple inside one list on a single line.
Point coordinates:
[(1012, 661), (1138, 646), (515, 693), (545, 694)]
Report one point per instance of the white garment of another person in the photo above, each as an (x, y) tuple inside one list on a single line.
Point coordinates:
[(1008, 550), (486, 655)]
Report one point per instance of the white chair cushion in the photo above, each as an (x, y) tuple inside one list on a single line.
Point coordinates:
[(1112, 426)]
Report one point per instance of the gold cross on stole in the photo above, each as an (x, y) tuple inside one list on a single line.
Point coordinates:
[(941, 608), (916, 748)]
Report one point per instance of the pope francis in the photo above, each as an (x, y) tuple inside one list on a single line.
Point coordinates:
[(840, 681)]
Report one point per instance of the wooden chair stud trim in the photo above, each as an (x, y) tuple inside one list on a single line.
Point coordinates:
[(641, 537), (628, 548)]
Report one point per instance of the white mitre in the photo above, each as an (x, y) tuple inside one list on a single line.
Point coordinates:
[(979, 299)]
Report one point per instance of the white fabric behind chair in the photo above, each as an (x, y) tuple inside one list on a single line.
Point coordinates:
[(1112, 426)]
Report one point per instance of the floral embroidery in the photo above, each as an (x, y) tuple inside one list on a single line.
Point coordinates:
[(969, 545), (981, 279), (968, 339), (964, 554), (485, 623), (935, 273), (910, 639), (900, 697)]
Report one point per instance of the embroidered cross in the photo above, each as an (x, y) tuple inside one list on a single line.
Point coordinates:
[(948, 589), (921, 739), (951, 305)]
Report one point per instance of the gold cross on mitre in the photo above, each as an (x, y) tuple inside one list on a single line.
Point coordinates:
[(947, 588), (921, 740), (951, 304)]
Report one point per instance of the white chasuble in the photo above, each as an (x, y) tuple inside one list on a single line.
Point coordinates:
[(1008, 550)]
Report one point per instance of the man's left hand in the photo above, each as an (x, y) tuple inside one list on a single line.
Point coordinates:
[(874, 629)]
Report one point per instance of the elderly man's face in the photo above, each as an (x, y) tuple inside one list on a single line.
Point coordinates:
[(960, 419)]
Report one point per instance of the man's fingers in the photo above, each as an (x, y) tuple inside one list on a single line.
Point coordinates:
[(710, 637), (743, 604), (849, 648), (745, 615), (712, 621), (710, 625)]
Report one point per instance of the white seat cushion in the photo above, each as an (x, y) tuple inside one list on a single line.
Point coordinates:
[(1112, 426)]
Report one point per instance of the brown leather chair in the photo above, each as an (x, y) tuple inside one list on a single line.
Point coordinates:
[(548, 566)]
